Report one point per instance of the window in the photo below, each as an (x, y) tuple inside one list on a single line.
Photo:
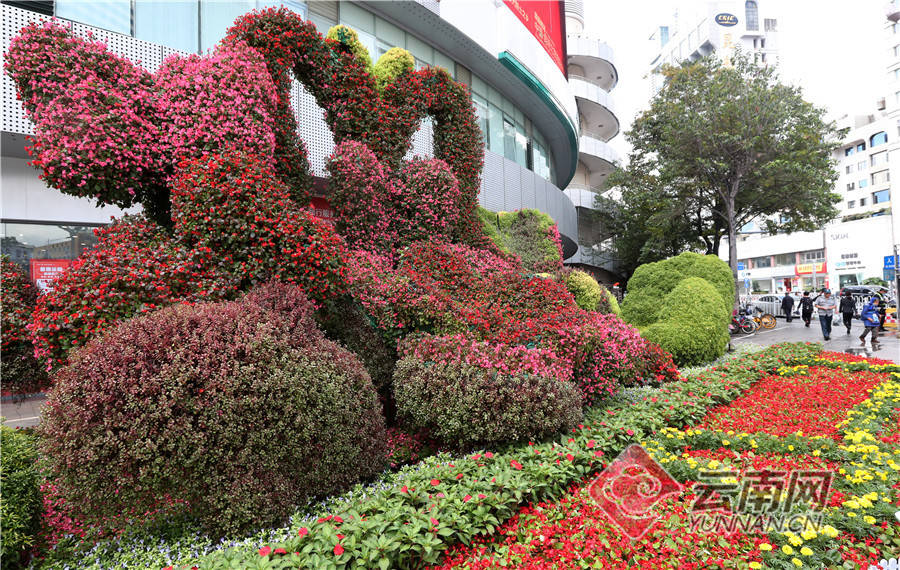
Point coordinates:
[(878, 139), (851, 186), (849, 168), (861, 147), (751, 12), (881, 177), (172, 24), (879, 158), (896, 50), (785, 259), (863, 183), (851, 204), (112, 15), (24, 242), (484, 119), (762, 261), (771, 24), (897, 74), (509, 139), (849, 150), (862, 202), (817, 255), (881, 197), (762, 43), (861, 165)]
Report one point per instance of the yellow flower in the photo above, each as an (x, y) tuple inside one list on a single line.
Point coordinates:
[(796, 562), (765, 546), (851, 514), (795, 540), (805, 551), (787, 549), (829, 531), (726, 442), (869, 519), (791, 448), (808, 534), (755, 565)]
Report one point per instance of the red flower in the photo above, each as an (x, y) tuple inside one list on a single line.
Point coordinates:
[(515, 464), (435, 482), (338, 549), (265, 550), (303, 531)]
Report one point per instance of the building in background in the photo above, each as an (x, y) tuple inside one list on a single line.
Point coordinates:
[(592, 75), (718, 27), (535, 120)]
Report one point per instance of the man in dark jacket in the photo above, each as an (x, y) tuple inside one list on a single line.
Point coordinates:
[(787, 305), (847, 308), (806, 308)]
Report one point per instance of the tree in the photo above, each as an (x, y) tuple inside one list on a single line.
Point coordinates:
[(725, 144)]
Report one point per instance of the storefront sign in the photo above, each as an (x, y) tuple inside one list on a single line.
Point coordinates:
[(44, 271), (321, 208), (545, 20), (727, 20), (807, 268)]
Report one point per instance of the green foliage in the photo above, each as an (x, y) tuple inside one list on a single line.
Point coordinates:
[(465, 405), (348, 38), (721, 145), (683, 304), (653, 281), (875, 281), (590, 295), (530, 234), (20, 503), (691, 327), (391, 65)]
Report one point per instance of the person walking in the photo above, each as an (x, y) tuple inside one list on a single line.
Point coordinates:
[(882, 309), (870, 319), (787, 305), (826, 306), (806, 308), (847, 308)]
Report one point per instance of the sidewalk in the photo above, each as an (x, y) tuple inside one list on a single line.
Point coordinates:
[(26, 413), (840, 341)]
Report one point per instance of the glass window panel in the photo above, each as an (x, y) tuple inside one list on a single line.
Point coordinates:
[(322, 23), (481, 110), (496, 130), (521, 146), (389, 33), (24, 242), (762, 261), (881, 196), (442, 60), (172, 24), (113, 15), (216, 16), (357, 18)]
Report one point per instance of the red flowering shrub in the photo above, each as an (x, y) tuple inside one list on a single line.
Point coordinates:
[(381, 212), (234, 207), (21, 372), (243, 409), (135, 268), (483, 393)]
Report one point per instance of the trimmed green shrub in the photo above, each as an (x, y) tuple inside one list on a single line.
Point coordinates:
[(20, 503), (684, 305), (242, 409), (21, 371), (691, 331), (348, 38), (391, 65), (651, 282), (590, 295), (530, 234), (465, 405)]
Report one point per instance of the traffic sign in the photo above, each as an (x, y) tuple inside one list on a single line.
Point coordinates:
[(741, 265), (890, 262)]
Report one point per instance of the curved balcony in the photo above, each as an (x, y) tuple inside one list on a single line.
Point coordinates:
[(595, 107), (595, 57), (581, 196), (599, 158), (892, 10)]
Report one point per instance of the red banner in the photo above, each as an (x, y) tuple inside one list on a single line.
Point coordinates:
[(546, 22), (321, 207), (44, 271)]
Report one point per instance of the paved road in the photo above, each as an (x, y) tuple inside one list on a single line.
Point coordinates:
[(24, 413), (795, 331)]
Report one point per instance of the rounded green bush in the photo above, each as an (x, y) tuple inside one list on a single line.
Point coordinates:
[(464, 405), (20, 502), (348, 37), (242, 409), (391, 65), (694, 326)]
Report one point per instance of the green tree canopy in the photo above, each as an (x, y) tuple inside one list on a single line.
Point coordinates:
[(722, 145)]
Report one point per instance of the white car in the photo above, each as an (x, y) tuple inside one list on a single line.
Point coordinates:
[(772, 304)]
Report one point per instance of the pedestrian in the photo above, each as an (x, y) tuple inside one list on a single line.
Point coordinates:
[(847, 308), (806, 308), (882, 309), (870, 320), (826, 305), (787, 305)]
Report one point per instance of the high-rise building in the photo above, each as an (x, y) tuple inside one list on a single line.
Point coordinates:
[(545, 115), (592, 75), (718, 27)]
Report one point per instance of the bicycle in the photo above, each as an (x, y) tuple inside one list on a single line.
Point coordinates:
[(763, 319), (743, 323)]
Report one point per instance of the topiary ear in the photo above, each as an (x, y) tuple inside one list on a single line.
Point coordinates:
[(95, 132), (394, 63), (348, 38)]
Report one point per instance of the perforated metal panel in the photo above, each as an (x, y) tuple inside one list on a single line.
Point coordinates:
[(140, 52), (312, 128), (491, 195), (528, 188), (423, 140), (13, 118)]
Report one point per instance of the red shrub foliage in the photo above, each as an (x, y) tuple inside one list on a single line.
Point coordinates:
[(242, 409)]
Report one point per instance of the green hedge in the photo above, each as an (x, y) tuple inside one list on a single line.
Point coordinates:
[(590, 295), (20, 502), (389, 524), (391, 65), (529, 234)]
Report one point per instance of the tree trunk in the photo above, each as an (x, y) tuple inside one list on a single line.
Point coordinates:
[(732, 240)]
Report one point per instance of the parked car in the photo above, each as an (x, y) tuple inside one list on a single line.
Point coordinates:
[(865, 290), (772, 304)]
